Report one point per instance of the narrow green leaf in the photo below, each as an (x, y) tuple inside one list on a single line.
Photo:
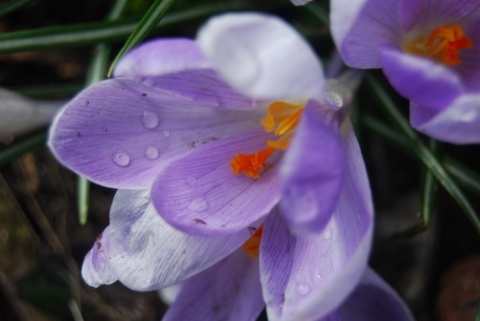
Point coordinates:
[(12, 5), (319, 12), (463, 175), (101, 32), (477, 316), (153, 16), (428, 189), (22, 147), (43, 91), (96, 72), (424, 154)]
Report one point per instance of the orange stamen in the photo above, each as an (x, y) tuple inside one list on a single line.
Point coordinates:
[(251, 164), (281, 118), (252, 245), (446, 42)]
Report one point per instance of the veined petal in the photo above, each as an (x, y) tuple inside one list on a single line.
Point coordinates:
[(359, 27), (313, 171), (374, 300), (202, 86), (469, 69), (459, 123), (262, 57), (161, 56), (96, 269), (228, 291), (419, 79), (425, 13), (200, 194), (307, 277), (121, 134), (146, 253)]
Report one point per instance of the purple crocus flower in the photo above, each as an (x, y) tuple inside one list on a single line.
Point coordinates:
[(206, 141), (429, 52)]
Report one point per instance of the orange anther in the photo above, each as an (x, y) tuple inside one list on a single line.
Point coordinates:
[(446, 42), (251, 164), (252, 245)]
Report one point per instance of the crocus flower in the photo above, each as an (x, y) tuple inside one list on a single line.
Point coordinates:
[(206, 141), (429, 52), (372, 299)]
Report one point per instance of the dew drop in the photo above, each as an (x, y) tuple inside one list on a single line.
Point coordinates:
[(121, 159), (198, 205), (151, 152), (303, 288), (190, 180), (318, 277), (150, 119), (327, 235), (166, 133)]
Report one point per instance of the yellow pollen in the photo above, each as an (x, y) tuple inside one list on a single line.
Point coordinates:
[(281, 118), (443, 44), (252, 245)]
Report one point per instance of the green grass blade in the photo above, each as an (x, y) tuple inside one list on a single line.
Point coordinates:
[(96, 72), (101, 32), (153, 16), (423, 153), (22, 147), (12, 5), (428, 190)]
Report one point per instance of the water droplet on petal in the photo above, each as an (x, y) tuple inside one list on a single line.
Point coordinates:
[(166, 133), (318, 277), (150, 119), (303, 288), (198, 205), (327, 235), (121, 159), (190, 180), (151, 152)]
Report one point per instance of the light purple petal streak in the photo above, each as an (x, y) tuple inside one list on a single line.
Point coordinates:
[(96, 269), (228, 291), (374, 300), (359, 27), (146, 253), (121, 134), (459, 123), (262, 57), (425, 14), (306, 278), (200, 194), (419, 79), (162, 56), (300, 2), (313, 171)]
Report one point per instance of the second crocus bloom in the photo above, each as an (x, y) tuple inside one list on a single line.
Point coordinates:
[(427, 49), (216, 137)]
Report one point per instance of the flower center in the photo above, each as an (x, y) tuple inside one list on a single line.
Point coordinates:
[(252, 245), (444, 44), (281, 119)]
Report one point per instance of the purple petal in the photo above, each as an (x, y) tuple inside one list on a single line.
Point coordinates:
[(121, 134), (161, 56), (360, 27), (422, 14), (469, 68), (228, 291), (96, 269), (147, 253), (374, 300), (313, 171), (300, 2), (459, 123), (201, 86), (262, 57), (200, 194), (420, 80), (306, 278)]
